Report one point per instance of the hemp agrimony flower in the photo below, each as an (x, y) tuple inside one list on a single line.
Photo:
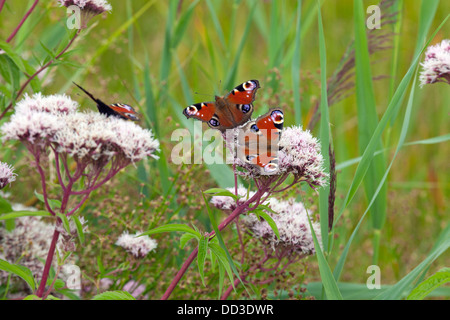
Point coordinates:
[(7, 174), (137, 246), (89, 149), (291, 219), (436, 67), (89, 8), (27, 242)]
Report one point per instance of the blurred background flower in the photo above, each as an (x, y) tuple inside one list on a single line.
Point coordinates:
[(7, 174), (436, 67)]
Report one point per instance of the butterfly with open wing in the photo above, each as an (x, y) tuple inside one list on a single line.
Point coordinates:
[(257, 139), (229, 111), (120, 110)]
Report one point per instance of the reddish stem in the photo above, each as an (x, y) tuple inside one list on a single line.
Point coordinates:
[(48, 264), (2, 2), (13, 34), (44, 186), (238, 211)]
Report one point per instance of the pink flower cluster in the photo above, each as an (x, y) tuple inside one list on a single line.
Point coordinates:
[(436, 67), (53, 121)]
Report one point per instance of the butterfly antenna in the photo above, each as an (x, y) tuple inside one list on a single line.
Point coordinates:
[(90, 95)]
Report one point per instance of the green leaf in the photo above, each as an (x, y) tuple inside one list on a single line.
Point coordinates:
[(295, 67), (221, 256), (172, 228), (5, 206), (230, 263), (10, 73), (32, 297), (367, 123), (324, 132), (114, 295), (79, 227), (426, 287), (182, 24), (185, 238), (269, 220), (201, 257), (52, 203), (221, 192), (19, 271), (402, 287), (65, 221), (18, 214)]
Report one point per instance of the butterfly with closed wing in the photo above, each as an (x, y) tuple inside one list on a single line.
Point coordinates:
[(120, 110)]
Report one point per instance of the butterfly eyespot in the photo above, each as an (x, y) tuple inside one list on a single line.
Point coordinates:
[(214, 122), (245, 108), (254, 128), (277, 116)]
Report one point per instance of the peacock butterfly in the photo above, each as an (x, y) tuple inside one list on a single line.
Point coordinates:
[(120, 110), (258, 140), (229, 111)]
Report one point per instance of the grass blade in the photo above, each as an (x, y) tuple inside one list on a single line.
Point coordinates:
[(367, 122), (401, 288), (295, 66), (324, 133)]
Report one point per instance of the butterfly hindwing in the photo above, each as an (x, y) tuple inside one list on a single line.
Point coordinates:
[(125, 111), (258, 141)]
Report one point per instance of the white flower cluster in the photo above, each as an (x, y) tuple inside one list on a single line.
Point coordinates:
[(40, 121), (300, 154), (293, 227), (436, 67), (228, 203), (99, 6), (291, 219), (27, 243), (89, 9), (96, 136), (7, 174), (137, 246)]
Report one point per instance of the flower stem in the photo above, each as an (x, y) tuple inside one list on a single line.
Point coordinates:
[(48, 264), (2, 2), (239, 210), (13, 34)]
